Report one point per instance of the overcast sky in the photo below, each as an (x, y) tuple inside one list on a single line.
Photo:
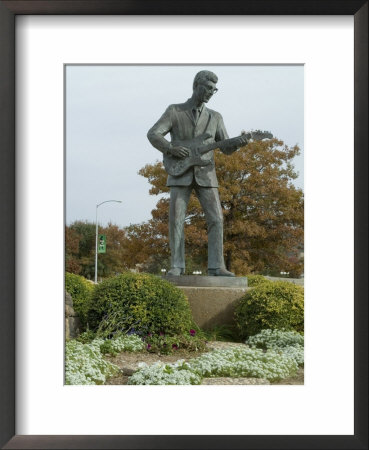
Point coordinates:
[(109, 110)]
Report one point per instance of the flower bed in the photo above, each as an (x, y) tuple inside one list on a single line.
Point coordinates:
[(232, 362), (271, 355), (290, 343), (84, 363)]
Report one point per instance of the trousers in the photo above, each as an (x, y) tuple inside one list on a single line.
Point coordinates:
[(209, 200)]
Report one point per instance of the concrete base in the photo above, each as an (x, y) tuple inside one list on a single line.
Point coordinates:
[(213, 305), (206, 281), (212, 299)]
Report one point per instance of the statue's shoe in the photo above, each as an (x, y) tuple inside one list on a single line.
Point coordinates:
[(220, 273), (175, 271)]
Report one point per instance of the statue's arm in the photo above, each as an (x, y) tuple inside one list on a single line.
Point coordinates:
[(157, 132), (156, 136), (222, 134)]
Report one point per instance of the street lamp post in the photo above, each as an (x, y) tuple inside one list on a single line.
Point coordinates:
[(96, 253)]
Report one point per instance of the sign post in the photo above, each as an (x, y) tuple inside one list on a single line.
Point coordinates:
[(102, 243), (97, 239)]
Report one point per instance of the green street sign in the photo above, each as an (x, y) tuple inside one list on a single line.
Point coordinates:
[(102, 243)]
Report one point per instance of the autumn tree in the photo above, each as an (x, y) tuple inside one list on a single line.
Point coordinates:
[(85, 232), (80, 250), (113, 261), (146, 246), (72, 263), (263, 211)]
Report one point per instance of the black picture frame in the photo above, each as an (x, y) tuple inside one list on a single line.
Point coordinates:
[(8, 11)]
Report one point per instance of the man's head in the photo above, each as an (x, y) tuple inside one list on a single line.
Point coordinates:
[(204, 85)]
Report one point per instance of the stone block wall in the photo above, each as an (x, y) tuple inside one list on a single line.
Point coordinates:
[(72, 322)]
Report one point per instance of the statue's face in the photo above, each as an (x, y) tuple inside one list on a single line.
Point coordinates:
[(204, 91)]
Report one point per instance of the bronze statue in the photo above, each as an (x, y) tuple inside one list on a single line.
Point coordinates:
[(195, 132)]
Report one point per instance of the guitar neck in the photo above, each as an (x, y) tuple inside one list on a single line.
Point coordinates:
[(214, 145)]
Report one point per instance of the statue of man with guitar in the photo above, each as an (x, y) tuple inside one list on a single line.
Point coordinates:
[(195, 131)]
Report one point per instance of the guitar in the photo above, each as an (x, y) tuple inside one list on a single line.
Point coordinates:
[(198, 147)]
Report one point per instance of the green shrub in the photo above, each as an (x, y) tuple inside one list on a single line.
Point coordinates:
[(86, 337), (139, 303), (256, 280), (277, 305), (81, 290)]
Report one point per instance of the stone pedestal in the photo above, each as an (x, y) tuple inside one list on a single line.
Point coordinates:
[(212, 299)]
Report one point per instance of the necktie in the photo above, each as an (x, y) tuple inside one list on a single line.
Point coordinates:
[(196, 114)]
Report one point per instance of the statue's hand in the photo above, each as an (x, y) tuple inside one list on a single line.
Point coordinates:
[(234, 144), (240, 141), (179, 151)]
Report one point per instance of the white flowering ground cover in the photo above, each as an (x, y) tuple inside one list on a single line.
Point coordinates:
[(278, 356), (232, 362), (84, 363), (271, 355), (165, 374), (122, 343), (290, 343)]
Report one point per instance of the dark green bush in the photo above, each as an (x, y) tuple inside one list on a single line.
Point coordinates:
[(225, 333), (139, 303), (277, 305), (80, 290), (107, 347), (256, 280), (86, 337)]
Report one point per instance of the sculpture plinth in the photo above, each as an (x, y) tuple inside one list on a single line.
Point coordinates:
[(203, 281), (212, 299)]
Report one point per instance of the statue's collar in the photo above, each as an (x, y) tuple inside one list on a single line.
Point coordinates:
[(191, 105)]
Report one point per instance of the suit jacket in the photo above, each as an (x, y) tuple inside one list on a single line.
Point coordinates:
[(178, 120)]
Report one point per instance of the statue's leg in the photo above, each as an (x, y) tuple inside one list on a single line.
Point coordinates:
[(209, 199), (179, 197)]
